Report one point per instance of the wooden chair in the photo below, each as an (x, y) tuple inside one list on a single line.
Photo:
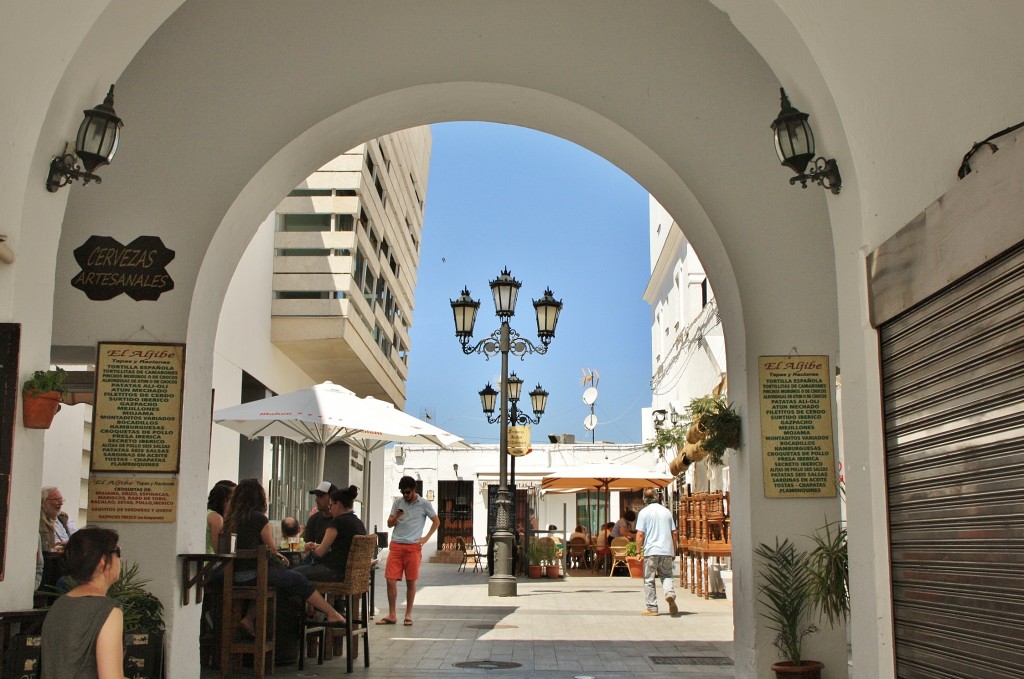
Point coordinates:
[(234, 602), (355, 591), (578, 552), (618, 549), (469, 554)]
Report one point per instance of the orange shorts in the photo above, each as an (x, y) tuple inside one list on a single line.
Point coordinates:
[(404, 558)]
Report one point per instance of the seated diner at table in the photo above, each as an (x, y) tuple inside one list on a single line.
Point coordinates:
[(331, 555), (247, 519)]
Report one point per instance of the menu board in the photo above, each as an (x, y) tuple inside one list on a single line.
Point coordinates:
[(137, 415), (133, 500), (796, 426)]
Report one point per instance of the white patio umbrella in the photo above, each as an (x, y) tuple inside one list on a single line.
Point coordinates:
[(329, 413)]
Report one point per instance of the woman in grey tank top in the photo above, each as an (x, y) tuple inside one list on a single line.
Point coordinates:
[(82, 631)]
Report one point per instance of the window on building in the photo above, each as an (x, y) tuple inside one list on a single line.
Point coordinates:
[(305, 222), (303, 252), (303, 193), (705, 293), (344, 222), (385, 249), (342, 252), (374, 242), (364, 220), (303, 294), (345, 192), (380, 190), (370, 166), (394, 265)]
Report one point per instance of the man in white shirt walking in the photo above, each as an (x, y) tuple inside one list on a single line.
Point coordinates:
[(656, 540)]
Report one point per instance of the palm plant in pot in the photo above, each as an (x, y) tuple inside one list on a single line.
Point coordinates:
[(794, 584), (786, 591), (636, 568), (41, 396), (143, 624)]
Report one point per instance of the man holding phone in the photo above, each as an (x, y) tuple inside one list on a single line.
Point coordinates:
[(409, 514)]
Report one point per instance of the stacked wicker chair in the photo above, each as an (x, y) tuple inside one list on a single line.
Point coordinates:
[(354, 590)]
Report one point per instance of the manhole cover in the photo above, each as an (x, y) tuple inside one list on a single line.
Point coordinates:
[(486, 665), (689, 660), (492, 626)]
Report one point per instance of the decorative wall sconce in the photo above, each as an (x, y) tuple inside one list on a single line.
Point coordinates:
[(794, 144), (456, 468), (95, 146)]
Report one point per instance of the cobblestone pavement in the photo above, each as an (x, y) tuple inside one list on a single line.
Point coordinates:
[(578, 626)]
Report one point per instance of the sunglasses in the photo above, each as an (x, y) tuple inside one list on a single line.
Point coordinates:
[(407, 491)]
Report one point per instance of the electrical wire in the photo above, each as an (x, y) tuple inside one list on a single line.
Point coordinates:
[(965, 164)]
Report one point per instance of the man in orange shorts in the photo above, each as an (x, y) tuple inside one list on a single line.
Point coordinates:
[(409, 514)]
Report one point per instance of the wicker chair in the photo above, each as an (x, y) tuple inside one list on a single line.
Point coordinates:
[(354, 588), (618, 549)]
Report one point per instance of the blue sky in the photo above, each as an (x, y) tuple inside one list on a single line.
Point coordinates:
[(557, 216)]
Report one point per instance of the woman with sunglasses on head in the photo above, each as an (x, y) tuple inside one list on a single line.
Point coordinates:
[(82, 631), (331, 554), (247, 518)]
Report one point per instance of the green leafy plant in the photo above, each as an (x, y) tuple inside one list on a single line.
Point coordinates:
[(667, 438), (143, 612), (536, 553), (548, 551), (631, 549), (829, 566), (45, 381), (786, 590), (718, 424)]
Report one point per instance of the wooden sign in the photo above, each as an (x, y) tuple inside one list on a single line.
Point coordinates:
[(109, 268), (518, 441), (137, 416), (133, 500), (797, 447)]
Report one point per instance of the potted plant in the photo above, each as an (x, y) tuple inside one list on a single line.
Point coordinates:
[(41, 396), (143, 624), (536, 557), (713, 427), (829, 565), (636, 568), (787, 592), (551, 569)]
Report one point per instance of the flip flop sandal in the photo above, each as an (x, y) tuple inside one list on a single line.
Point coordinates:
[(387, 621), (408, 622)]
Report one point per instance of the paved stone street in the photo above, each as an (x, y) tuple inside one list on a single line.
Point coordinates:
[(579, 626)]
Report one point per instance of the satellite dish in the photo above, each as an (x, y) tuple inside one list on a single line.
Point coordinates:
[(590, 422), (590, 396)]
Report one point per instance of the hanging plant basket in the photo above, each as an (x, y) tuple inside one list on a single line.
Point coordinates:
[(38, 410)]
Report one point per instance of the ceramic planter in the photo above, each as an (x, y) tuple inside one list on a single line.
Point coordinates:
[(636, 569), (37, 410), (535, 571), (553, 571), (807, 669)]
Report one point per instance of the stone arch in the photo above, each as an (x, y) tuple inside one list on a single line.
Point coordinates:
[(713, 170)]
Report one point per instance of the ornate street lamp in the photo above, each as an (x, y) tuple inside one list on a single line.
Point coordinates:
[(505, 341), (95, 146), (794, 144)]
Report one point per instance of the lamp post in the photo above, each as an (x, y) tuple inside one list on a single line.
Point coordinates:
[(538, 400), (504, 341)]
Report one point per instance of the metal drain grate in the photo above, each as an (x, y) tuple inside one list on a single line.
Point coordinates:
[(690, 660), (487, 665), (492, 626)]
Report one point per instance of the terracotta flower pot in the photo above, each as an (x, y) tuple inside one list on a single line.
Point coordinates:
[(535, 570), (553, 571), (37, 410), (807, 669), (636, 569)]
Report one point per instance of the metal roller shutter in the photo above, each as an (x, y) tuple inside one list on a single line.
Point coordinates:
[(953, 394)]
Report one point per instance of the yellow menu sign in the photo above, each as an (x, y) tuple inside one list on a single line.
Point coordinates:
[(797, 447), (137, 409), (133, 500)]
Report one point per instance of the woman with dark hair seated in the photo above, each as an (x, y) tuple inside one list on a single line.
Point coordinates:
[(248, 520), (331, 554), (82, 631), (216, 507)]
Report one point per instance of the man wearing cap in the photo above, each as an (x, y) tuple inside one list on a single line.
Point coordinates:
[(316, 526)]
